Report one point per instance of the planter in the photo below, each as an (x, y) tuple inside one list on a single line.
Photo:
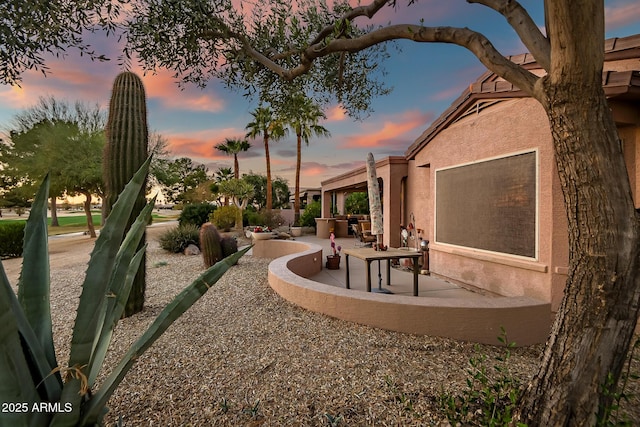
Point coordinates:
[(296, 231), (333, 262), (265, 235)]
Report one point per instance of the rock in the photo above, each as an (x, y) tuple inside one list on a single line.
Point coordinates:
[(191, 250)]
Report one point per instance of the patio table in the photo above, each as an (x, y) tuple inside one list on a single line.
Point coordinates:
[(368, 255)]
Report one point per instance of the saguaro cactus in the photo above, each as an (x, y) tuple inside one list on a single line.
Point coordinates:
[(210, 244), (125, 151)]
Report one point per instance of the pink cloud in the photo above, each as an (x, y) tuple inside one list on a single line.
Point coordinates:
[(163, 87), (199, 144), (336, 114), (390, 130), (620, 16), (314, 170), (68, 80), (78, 78)]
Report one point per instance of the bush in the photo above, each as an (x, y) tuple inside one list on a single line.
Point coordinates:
[(492, 391), (177, 239), (271, 219), (311, 212), (224, 217), (11, 239), (251, 217), (196, 213)]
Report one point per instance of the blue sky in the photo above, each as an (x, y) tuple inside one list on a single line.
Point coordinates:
[(426, 78)]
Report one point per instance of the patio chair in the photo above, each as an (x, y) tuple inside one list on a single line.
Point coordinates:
[(365, 238)]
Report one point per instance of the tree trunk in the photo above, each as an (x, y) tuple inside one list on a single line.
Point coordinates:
[(596, 320), (296, 200), (54, 212), (269, 187), (236, 166), (87, 211)]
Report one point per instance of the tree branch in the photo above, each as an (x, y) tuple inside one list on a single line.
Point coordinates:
[(475, 42), (524, 26), (369, 11)]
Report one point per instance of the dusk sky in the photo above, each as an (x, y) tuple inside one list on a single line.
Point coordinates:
[(425, 78)]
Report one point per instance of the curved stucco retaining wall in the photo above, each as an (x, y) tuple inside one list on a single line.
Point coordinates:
[(526, 320)]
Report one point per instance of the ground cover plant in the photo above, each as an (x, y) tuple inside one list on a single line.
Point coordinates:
[(176, 239)]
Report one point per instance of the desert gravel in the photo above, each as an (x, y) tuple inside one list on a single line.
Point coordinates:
[(242, 356)]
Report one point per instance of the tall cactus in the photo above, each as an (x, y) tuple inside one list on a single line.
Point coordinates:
[(210, 244), (125, 151)]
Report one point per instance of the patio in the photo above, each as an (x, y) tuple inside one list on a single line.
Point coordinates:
[(401, 278), (444, 309)]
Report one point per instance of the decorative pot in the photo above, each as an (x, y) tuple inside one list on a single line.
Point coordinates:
[(263, 235), (296, 231), (333, 262)]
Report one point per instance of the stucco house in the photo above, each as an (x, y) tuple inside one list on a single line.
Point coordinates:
[(481, 183)]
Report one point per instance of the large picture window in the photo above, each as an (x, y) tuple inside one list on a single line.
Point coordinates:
[(489, 205)]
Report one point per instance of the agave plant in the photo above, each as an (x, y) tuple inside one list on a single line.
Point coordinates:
[(34, 389)]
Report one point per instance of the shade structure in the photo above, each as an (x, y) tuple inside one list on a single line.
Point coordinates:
[(375, 207)]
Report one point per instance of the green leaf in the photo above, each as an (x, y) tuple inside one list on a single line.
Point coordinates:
[(94, 294), (14, 369), (181, 303), (30, 345), (120, 285), (35, 282)]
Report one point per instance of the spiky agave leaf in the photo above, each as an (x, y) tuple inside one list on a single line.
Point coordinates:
[(181, 303), (34, 285), (94, 294), (15, 375), (119, 289), (25, 366)]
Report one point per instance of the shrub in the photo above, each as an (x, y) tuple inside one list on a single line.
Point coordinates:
[(492, 391), (225, 217), (251, 217), (272, 219), (11, 239), (177, 239), (196, 213), (311, 212)]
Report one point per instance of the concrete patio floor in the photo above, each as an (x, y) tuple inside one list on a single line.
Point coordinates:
[(298, 275), (401, 279)]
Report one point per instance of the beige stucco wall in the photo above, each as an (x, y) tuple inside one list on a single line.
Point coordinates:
[(479, 137), (391, 170), (477, 320), (509, 127)]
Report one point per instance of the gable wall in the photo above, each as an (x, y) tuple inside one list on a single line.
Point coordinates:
[(509, 127)]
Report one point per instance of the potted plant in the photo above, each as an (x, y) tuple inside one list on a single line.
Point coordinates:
[(261, 232), (333, 260)]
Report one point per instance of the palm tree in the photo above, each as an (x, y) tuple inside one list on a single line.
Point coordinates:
[(223, 174), (264, 123), (220, 176), (232, 147), (303, 116)]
